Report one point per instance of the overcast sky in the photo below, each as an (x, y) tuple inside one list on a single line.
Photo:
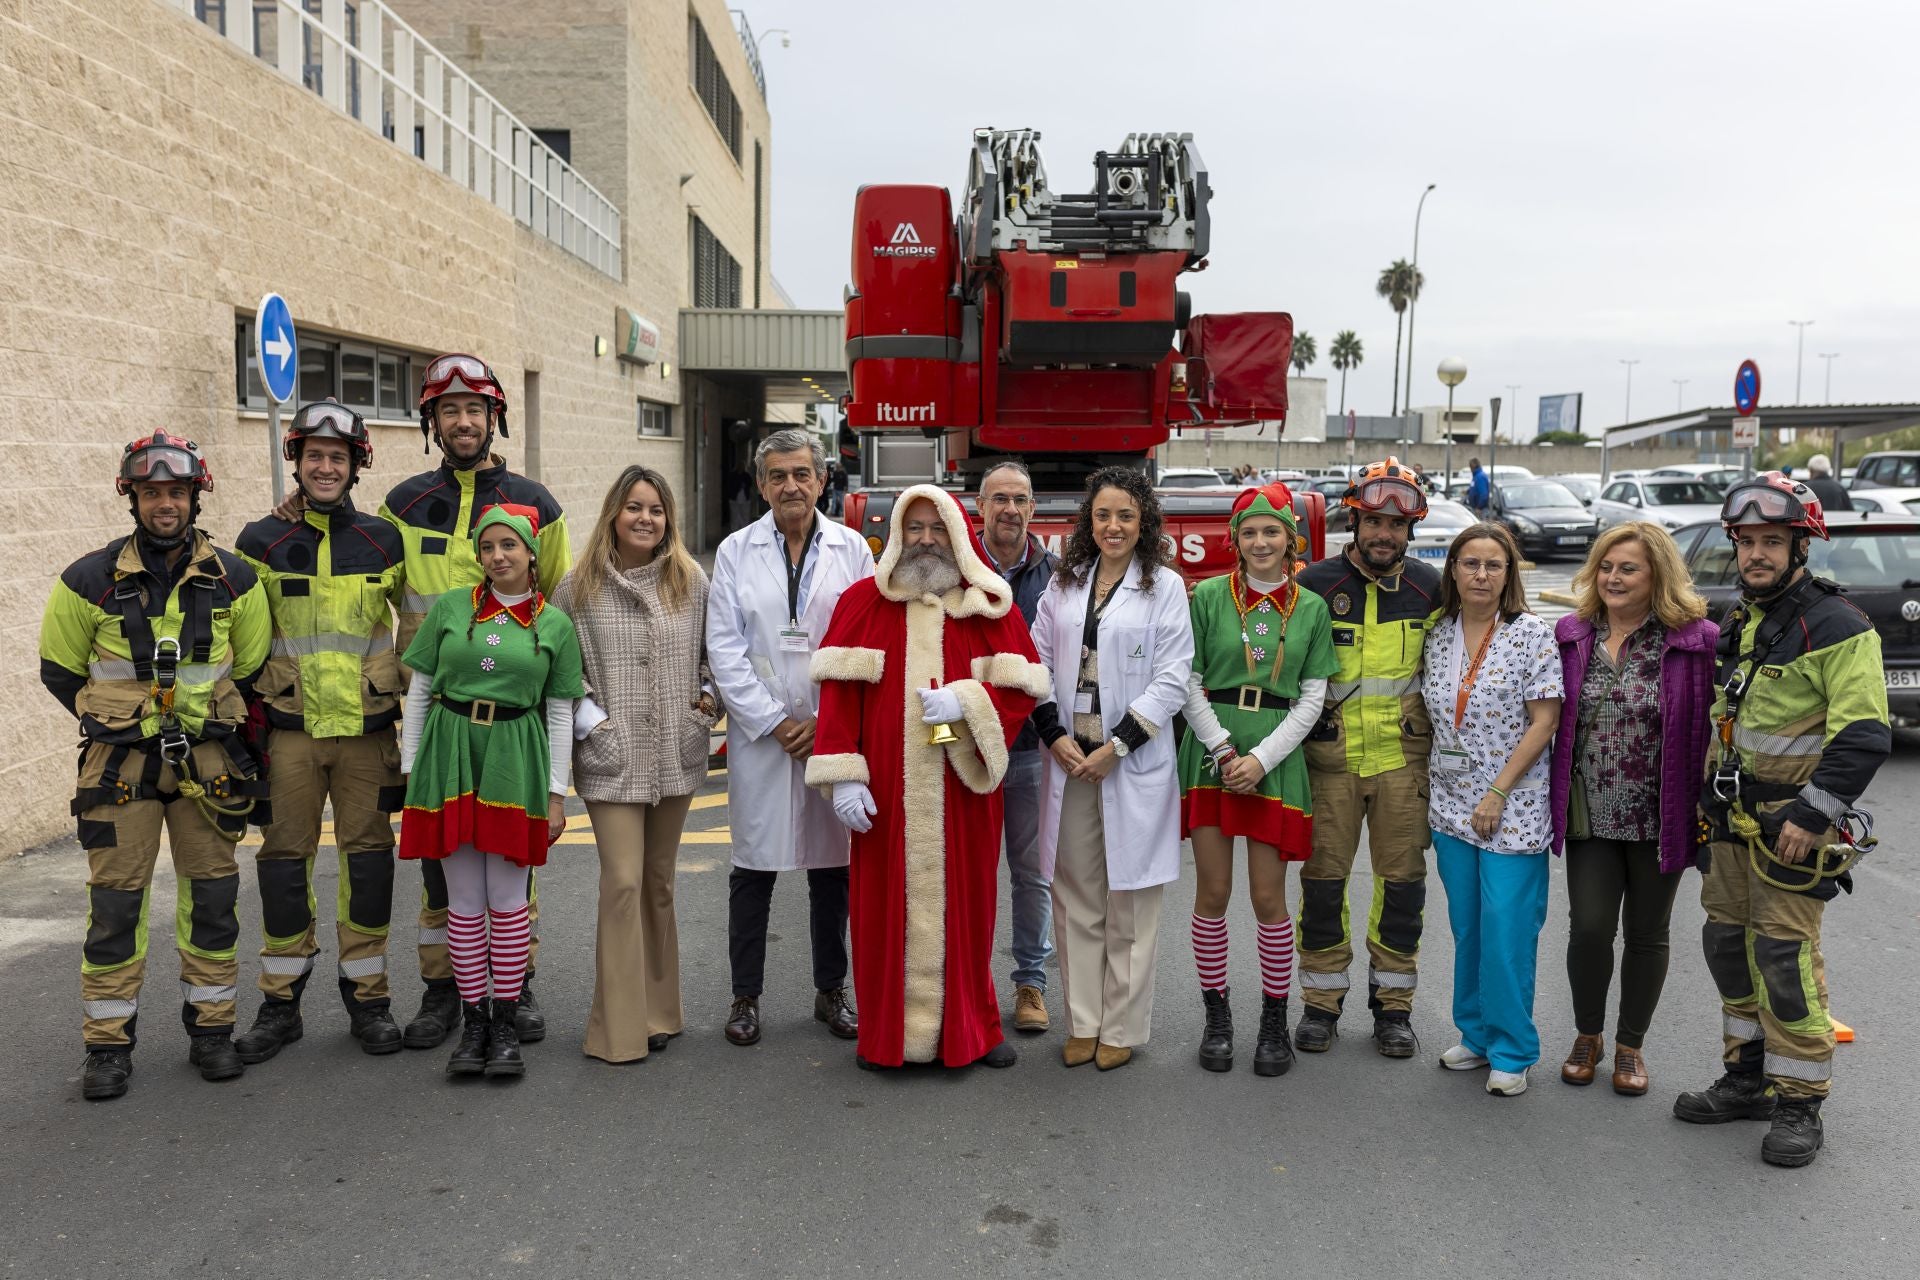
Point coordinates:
[(1670, 182)]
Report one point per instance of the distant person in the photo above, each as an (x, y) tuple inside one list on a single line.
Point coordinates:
[(1479, 489), (1833, 497)]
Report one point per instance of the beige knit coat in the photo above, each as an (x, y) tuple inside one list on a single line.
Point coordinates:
[(644, 665)]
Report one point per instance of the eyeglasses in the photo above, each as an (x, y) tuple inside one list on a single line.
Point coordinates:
[(1475, 568), (1000, 501)]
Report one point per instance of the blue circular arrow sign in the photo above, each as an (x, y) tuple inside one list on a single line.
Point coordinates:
[(1746, 388), (275, 348)]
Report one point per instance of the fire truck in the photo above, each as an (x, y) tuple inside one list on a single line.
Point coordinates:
[(1050, 327)]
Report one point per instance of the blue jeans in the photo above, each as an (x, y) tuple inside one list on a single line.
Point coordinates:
[(1497, 905), (1032, 892)]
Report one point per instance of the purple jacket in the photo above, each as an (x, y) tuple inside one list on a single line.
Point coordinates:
[(1686, 697)]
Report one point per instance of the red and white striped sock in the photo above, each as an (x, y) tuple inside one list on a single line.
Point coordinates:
[(467, 948), (1210, 952), (1276, 958), (511, 936)]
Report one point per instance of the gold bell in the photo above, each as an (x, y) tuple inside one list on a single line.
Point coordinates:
[(942, 735)]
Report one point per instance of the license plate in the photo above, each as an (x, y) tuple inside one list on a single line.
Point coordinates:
[(1903, 678), (1430, 553), (1569, 540)]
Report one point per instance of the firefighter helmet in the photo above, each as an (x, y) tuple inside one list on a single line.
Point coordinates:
[(329, 419), (460, 374), (163, 457), (1773, 498), (1390, 487)]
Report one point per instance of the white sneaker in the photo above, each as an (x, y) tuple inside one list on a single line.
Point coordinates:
[(1508, 1084), (1461, 1058)]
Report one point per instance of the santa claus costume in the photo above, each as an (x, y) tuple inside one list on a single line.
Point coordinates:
[(925, 872)]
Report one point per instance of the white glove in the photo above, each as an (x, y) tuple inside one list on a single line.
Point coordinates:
[(853, 805), (940, 706), (588, 715)]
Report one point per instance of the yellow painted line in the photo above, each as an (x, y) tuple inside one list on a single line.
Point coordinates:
[(1558, 597), (716, 801)]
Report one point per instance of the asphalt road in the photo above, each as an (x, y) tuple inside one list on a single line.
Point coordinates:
[(784, 1160)]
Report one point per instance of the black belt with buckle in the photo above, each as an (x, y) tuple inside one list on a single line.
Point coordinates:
[(482, 711), (1249, 698)]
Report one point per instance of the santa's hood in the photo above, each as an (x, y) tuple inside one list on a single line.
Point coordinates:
[(981, 591)]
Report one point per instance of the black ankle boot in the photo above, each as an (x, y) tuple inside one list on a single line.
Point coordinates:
[(1273, 1051), (1737, 1095), (1797, 1134), (503, 1049), (1216, 1042), (439, 1014), (529, 1022), (470, 1055), (275, 1026)]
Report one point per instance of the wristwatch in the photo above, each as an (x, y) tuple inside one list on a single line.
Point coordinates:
[(1119, 747)]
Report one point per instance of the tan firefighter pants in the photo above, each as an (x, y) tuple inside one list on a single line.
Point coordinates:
[(1394, 807)]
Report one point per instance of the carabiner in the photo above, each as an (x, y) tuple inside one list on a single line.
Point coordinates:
[(1726, 786), (166, 662), (174, 747)]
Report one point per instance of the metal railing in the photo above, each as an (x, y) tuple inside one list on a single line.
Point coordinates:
[(370, 65), (752, 47)]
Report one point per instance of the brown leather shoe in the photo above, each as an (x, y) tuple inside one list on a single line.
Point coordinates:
[(1078, 1051), (1107, 1056), (1029, 1010), (1584, 1060), (743, 1024), (1629, 1071), (834, 1009)]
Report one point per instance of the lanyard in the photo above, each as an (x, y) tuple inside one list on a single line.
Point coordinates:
[(1473, 669), (796, 571), (1289, 592), (1090, 631)]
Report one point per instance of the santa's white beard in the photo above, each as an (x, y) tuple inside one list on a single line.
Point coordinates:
[(927, 570)]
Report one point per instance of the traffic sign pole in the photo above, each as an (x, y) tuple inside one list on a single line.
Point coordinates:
[(1746, 401), (276, 352), (273, 454)]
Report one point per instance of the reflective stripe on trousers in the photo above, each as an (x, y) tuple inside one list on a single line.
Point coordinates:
[(105, 1009), (1741, 1028), (1797, 1068), (206, 995)]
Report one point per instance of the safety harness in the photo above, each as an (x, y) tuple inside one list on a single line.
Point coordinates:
[(1732, 787)]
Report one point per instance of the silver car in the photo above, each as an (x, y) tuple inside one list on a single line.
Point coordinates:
[(1669, 501)]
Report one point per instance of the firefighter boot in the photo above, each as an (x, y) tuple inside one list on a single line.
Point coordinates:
[(105, 1073), (1737, 1095), (470, 1055), (1315, 1033), (1273, 1051), (1216, 1042), (276, 1026), (1393, 1035), (439, 1012), (216, 1058), (373, 1028), (1796, 1135), (503, 1048), (529, 1023)]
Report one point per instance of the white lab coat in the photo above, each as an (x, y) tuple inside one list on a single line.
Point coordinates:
[(1146, 653), (779, 823)]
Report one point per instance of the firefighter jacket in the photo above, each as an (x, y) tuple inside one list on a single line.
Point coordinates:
[(435, 511), (1375, 721), (333, 580), (110, 610), (1811, 728)]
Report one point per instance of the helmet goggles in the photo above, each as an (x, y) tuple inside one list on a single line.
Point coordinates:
[(1760, 504), (1389, 493), (163, 458), (470, 371), (324, 419)]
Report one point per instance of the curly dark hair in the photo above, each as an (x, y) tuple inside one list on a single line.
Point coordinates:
[(1080, 554)]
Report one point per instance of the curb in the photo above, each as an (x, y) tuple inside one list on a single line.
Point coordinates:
[(1557, 597)]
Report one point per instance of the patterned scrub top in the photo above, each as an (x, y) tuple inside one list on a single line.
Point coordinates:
[(1617, 741), (1522, 665)]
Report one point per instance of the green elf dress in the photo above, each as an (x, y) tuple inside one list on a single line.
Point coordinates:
[(481, 772), (1251, 653)]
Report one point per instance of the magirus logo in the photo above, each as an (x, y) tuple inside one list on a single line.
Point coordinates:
[(903, 413), (904, 244)]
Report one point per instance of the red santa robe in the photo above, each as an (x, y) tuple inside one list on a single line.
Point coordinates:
[(925, 878)]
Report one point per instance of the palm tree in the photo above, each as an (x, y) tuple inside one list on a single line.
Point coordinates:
[(1305, 352), (1399, 284), (1346, 353)]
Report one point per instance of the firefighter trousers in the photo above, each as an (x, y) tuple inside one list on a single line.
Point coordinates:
[(361, 776), (1763, 949), (1393, 806), (122, 843)]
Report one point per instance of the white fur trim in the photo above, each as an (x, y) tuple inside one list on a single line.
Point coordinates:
[(924, 823), (980, 732), (1011, 671), (824, 771), (849, 663), (982, 591)]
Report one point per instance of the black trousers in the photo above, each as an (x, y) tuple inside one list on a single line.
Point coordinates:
[(750, 897), (1610, 883)]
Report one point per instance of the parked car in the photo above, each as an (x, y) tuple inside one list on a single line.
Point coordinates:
[(1717, 474), (1898, 502), (1877, 560), (1332, 488), (1545, 518), (1888, 470), (1585, 488), (1188, 478), (1666, 500), (1431, 537)]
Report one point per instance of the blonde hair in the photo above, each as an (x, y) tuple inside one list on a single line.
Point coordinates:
[(1675, 602), (596, 562)]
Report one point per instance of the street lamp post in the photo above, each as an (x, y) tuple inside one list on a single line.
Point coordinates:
[(1413, 301), (1679, 393), (1800, 355), (1626, 417), (1829, 357), (1453, 372)]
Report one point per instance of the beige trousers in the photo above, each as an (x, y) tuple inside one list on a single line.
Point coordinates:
[(1107, 940), (636, 986)]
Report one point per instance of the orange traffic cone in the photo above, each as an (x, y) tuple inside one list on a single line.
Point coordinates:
[(1841, 1031)]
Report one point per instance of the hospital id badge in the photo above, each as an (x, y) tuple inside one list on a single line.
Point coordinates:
[(1083, 702), (794, 640), (1451, 760)]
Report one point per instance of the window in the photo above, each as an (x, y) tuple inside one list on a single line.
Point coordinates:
[(319, 371), (1617, 492), (356, 380), (710, 85), (394, 386), (558, 141), (716, 273), (656, 419), (1713, 563), (377, 382)]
